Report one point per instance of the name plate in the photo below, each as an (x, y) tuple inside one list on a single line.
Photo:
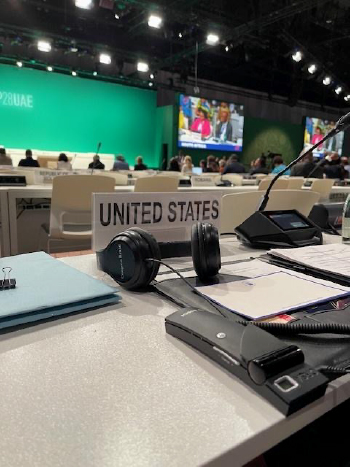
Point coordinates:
[(203, 181), (167, 216), (46, 176)]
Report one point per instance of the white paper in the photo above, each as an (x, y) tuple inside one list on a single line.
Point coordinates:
[(270, 294), (333, 258)]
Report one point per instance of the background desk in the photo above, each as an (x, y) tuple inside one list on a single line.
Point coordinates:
[(109, 388), (9, 216)]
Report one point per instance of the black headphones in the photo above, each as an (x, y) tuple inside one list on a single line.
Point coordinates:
[(128, 256)]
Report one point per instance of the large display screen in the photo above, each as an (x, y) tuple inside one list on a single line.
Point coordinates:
[(315, 130), (210, 124)]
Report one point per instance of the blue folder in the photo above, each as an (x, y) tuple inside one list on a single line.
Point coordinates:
[(46, 287)]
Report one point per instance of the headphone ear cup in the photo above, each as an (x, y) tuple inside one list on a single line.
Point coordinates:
[(152, 251), (205, 250)]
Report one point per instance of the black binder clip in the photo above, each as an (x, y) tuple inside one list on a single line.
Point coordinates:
[(7, 282)]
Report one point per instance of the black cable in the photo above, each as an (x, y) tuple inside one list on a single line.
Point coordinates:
[(300, 328), (188, 283), (333, 370)]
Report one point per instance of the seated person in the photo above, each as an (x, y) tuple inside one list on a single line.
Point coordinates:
[(187, 165), (28, 161), (212, 165), (139, 164), (224, 127), (233, 166), (63, 162), (203, 165), (120, 164), (333, 168), (222, 165), (174, 165), (96, 163), (201, 124), (259, 166), (4, 159), (279, 165), (305, 167)]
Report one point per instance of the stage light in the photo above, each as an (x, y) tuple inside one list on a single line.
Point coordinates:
[(94, 73), (44, 46), (49, 68), (180, 35), (151, 76), (85, 4), (116, 16), (347, 98), (105, 59), (19, 64), (212, 39), (297, 56), (74, 73), (150, 84), (155, 21), (143, 67), (338, 90), (312, 68), (326, 80), (227, 48)]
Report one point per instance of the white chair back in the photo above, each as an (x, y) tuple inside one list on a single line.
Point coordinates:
[(70, 215), (119, 179), (235, 179), (323, 187), (295, 183), (156, 184), (280, 184), (237, 207)]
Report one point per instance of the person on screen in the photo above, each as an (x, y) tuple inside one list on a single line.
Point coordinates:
[(317, 137), (185, 111), (187, 165), (63, 162), (224, 127), (201, 124), (279, 165), (139, 164), (4, 159), (233, 166), (28, 161), (96, 163), (174, 166)]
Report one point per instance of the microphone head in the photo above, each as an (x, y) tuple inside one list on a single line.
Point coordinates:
[(343, 123)]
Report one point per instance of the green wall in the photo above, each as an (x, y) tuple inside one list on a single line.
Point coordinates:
[(50, 111)]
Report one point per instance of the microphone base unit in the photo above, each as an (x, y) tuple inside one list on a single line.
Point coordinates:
[(272, 368), (279, 229)]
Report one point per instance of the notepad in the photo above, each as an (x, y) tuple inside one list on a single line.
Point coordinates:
[(47, 287), (270, 294)]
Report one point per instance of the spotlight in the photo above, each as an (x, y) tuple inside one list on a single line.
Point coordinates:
[(85, 4), (180, 35), (143, 67), (312, 68), (150, 84), (19, 64), (116, 16), (49, 68), (105, 59), (227, 48), (74, 73), (151, 76), (155, 21), (212, 39), (94, 73), (347, 98), (44, 46), (338, 90), (326, 80), (297, 56)]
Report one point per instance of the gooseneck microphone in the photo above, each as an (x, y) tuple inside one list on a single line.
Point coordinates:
[(342, 124)]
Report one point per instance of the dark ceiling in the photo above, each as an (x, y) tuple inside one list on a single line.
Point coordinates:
[(261, 35)]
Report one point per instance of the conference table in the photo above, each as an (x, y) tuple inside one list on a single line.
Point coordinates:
[(10, 195), (110, 388)]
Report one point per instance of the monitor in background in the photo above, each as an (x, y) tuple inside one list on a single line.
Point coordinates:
[(210, 124), (197, 170), (315, 129)]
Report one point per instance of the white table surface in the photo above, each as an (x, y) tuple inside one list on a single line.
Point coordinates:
[(110, 388)]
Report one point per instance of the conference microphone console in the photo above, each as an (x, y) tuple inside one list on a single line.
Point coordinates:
[(12, 180)]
